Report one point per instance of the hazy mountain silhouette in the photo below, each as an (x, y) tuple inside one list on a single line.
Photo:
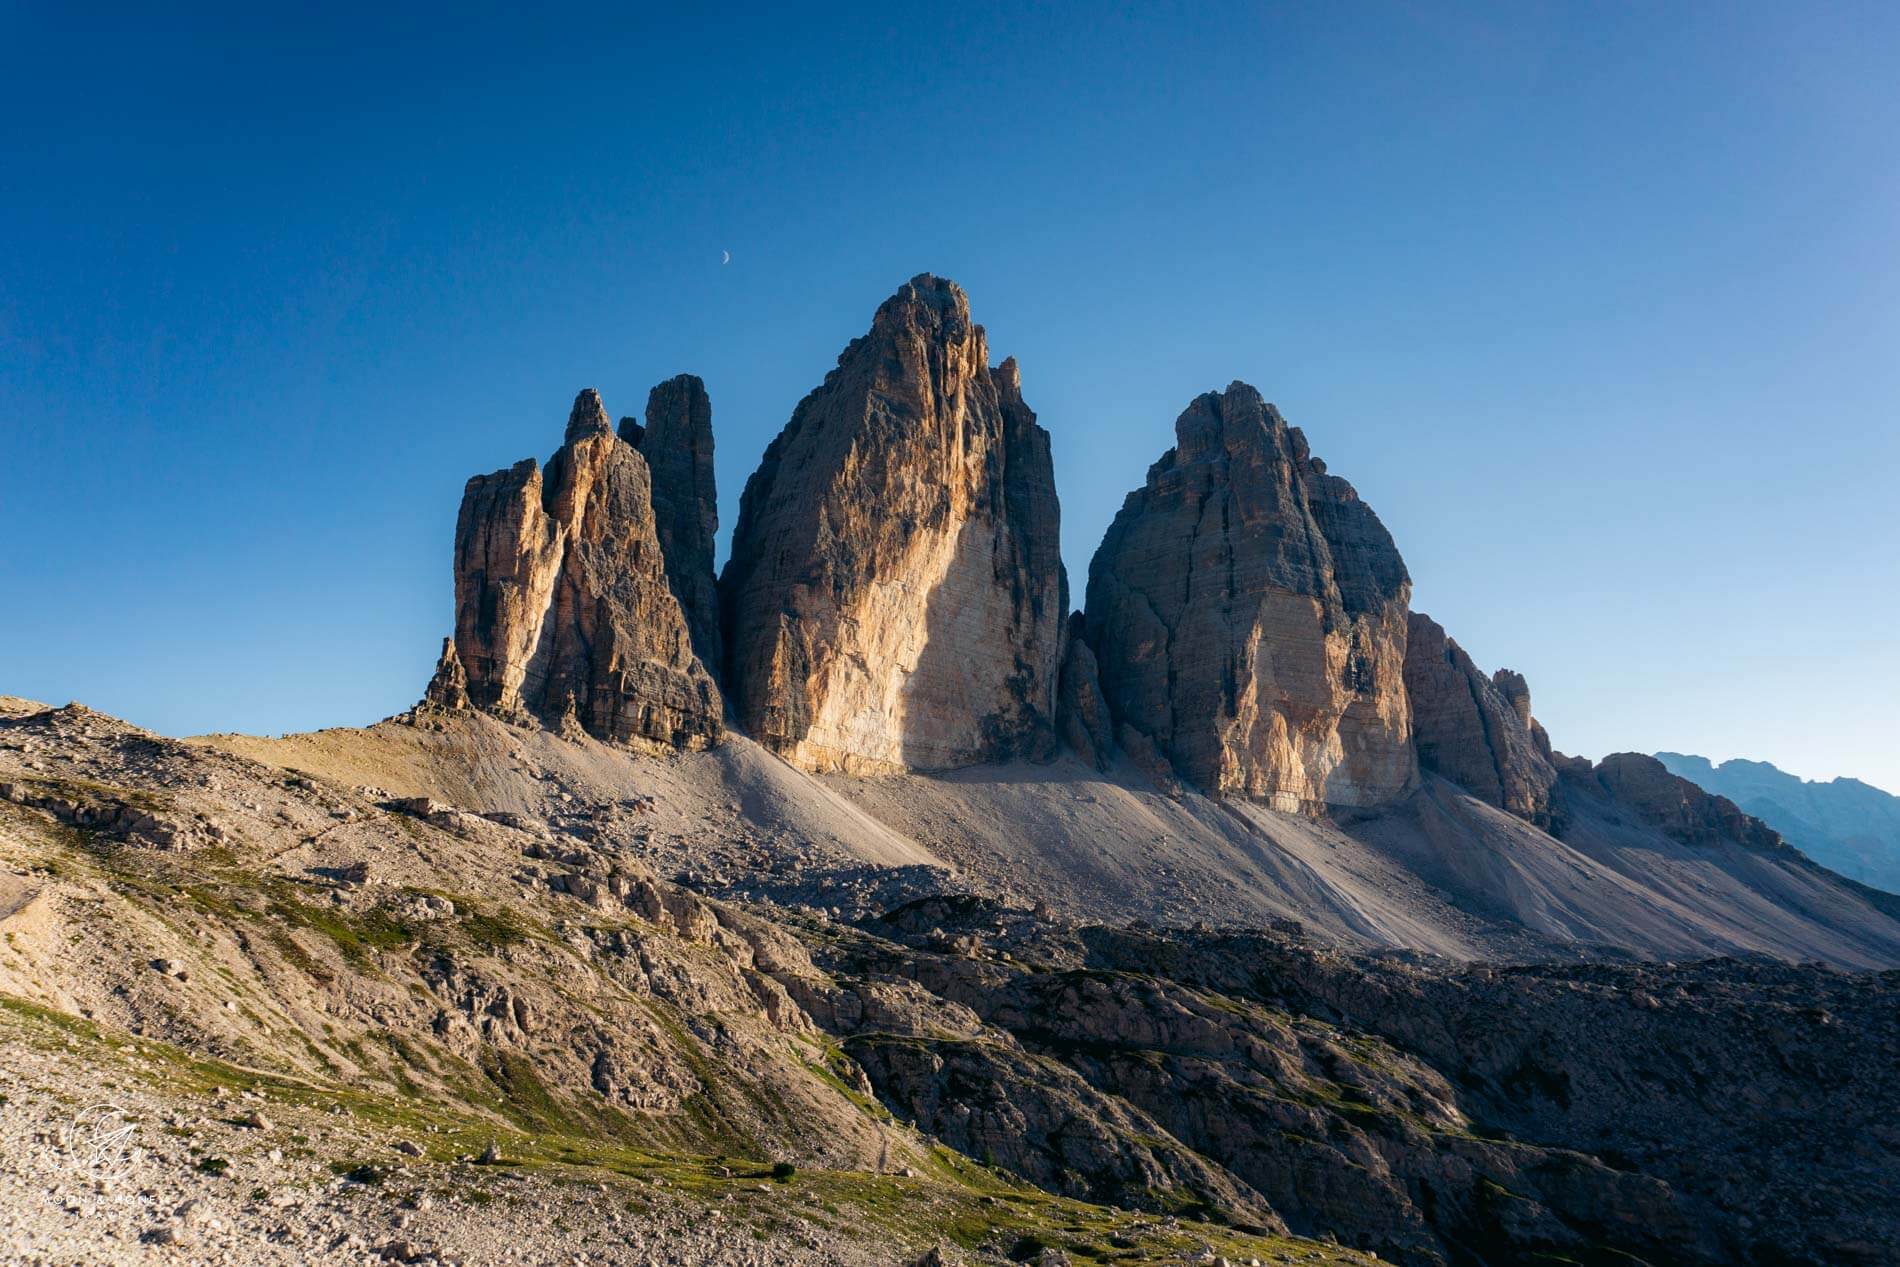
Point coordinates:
[(1844, 824)]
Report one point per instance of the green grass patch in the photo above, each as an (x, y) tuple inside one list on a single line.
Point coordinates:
[(358, 936), (954, 1200)]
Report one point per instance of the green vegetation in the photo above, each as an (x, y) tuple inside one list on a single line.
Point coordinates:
[(358, 936), (497, 929), (953, 1200)]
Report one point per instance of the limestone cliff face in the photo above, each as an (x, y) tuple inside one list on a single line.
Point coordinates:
[(895, 595), (563, 610), (1248, 614), (1477, 731), (677, 442)]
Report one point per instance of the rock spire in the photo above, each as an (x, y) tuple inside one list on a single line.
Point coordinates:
[(895, 595), (563, 606), (677, 442), (1475, 730)]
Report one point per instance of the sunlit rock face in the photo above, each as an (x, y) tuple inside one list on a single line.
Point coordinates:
[(1248, 616), (895, 596), (564, 614)]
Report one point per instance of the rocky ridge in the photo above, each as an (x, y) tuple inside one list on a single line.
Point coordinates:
[(1847, 825), (1477, 731), (1683, 810)]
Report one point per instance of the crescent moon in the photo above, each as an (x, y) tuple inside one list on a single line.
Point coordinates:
[(725, 257)]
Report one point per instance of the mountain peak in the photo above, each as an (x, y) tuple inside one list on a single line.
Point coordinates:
[(588, 416), (895, 596), (1237, 544)]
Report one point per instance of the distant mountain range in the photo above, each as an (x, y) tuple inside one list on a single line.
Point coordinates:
[(1845, 825)]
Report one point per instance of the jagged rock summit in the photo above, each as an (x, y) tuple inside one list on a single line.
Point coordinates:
[(895, 596), (1478, 731), (677, 442), (1248, 614), (564, 610)]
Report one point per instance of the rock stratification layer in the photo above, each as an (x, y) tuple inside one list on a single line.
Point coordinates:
[(563, 610), (1477, 731), (895, 595), (1248, 613), (677, 442)]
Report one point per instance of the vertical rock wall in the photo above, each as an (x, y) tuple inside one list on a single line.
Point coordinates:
[(1477, 731), (895, 596), (1248, 616), (677, 442)]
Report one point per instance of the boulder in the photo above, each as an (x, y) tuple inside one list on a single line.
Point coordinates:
[(895, 595), (1247, 613)]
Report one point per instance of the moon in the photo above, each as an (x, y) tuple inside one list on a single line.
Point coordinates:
[(725, 257)]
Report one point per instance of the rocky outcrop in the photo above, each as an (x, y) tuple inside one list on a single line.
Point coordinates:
[(563, 610), (449, 687), (677, 442), (1477, 731), (1682, 810), (1081, 711), (895, 596), (1248, 612), (1432, 1112), (1844, 824)]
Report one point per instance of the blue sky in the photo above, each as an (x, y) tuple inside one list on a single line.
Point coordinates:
[(1598, 306)]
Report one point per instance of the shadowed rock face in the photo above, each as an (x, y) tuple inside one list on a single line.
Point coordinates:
[(1844, 824), (895, 596), (1081, 712), (677, 442), (563, 611), (1247, 611), (1680, 808), (1477, 731)]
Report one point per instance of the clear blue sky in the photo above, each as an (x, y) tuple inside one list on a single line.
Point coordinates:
[(1598, 305)]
